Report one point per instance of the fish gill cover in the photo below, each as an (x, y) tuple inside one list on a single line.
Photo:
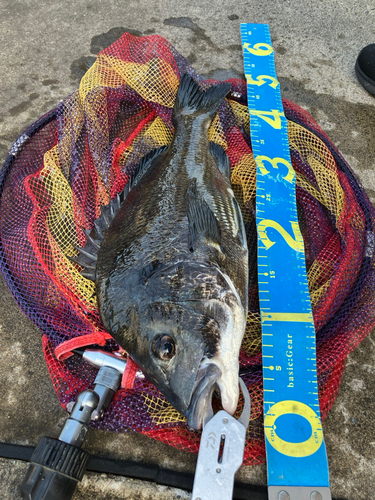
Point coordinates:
[(76, 158)]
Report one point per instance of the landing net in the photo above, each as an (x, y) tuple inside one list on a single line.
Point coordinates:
[(77, 157)]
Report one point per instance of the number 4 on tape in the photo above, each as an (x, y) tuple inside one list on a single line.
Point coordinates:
[(297, 466)]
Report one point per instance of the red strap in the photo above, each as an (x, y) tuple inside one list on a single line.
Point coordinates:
[(63, 351), (130, 372)]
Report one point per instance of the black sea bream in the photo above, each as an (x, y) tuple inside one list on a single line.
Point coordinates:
[(170, 263)]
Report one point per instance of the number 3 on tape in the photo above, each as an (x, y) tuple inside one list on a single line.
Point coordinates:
[(297, 466)]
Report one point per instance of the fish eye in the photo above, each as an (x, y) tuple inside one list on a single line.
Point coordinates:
[(164, 347)]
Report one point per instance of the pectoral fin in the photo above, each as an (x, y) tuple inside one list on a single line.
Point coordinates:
[(221, 158), (202, 221)]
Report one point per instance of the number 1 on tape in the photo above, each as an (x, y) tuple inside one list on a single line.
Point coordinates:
[(297, 466)]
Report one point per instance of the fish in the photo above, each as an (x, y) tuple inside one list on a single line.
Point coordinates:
[(169, 259)]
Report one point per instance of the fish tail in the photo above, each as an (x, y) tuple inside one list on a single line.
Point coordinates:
[(191, 99)]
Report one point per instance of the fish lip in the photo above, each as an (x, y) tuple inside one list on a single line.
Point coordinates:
[(200, 408)]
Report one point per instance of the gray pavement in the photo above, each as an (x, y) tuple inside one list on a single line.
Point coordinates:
[(45, 46)]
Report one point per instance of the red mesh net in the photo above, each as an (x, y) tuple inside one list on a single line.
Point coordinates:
[(76, 158)]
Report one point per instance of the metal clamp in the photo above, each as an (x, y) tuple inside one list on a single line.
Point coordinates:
[(91, 404), (221, 453)]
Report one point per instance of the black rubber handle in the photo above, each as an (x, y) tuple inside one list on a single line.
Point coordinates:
[(54, 472)]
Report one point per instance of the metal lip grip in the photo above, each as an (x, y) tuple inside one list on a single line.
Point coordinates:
[(221, 453)]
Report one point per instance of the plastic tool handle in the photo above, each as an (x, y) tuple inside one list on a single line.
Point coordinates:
[(55, 469), (57, 465)]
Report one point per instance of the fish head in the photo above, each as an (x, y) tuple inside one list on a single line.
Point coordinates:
[(184, 329), (188, 351), (162, 339)]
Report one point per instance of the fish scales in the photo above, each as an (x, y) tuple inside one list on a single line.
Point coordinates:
[(171, 272)]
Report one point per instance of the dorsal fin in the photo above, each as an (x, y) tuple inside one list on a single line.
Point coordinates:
[(143, 166), (202, 220), (221, 158), (88, 254), (192, 99)]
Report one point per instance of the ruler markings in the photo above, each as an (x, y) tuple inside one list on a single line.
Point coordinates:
[(280, 244)]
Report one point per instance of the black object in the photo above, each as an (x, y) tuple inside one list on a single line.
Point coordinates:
[(55, 469), (146, 472), (365, 68)]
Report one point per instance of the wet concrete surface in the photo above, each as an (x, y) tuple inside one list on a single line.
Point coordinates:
[(46, 48)]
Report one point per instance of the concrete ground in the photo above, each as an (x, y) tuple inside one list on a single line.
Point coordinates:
[(45, 46)]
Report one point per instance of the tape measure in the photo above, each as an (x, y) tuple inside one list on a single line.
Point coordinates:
[(297, 465)]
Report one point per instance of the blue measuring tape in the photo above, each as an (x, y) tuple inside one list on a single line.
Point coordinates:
[(297, 465)]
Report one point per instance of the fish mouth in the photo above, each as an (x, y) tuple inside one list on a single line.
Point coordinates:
[(200, 408)]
